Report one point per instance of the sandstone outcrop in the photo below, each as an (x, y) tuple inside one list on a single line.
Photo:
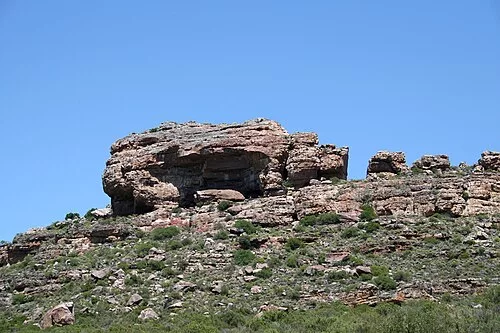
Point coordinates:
[(424, 195), (385, 164), (433, 162), (490, 160), (167, 165)]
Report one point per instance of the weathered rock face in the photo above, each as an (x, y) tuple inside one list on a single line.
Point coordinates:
[(478, 193), (433, 162), (384, 164), (490, 160), (170, 163)]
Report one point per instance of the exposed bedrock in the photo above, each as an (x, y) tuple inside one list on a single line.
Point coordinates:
[(169, 164)]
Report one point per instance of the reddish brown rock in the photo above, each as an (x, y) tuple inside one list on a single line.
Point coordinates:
[(169, 164), (61, 315), (490, 160), (215, 195), (433, 162), (384, 164)]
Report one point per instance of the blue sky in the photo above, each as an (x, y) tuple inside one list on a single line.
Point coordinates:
[(421, 77)]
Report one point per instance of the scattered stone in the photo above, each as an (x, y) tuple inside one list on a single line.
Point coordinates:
[(100, 274), (363, 270), (62, 314), (176, 305), (256, 289), (135, 299), (184, 286), (148, 314)]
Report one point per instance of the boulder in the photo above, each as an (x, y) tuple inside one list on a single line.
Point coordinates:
[(135, 299), (433, 162), (61, 315), (168, 165), (385, 163), (490, 160), (216, 195), (148, 314)]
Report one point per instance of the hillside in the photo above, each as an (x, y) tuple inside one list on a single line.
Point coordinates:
[(246, 228)]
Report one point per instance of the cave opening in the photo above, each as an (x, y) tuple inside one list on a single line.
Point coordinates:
[(233, 169)]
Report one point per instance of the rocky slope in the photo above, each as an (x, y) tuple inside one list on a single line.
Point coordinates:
[(247, 215)]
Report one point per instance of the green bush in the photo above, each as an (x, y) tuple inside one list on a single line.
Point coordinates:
[(337, 275), (367, 213), (325, 218), (88, 215), (143, 248), (385, 282), (293, 243), (164, 233), (243, 257), (221, 235), (401, 276), (265, 273), (292, 261), (245, 225), (349, 232), (246, 243), (173, 245), (379, 270), (223, 205), (20, 299), (370, 227), (308, 220), (71, 216), (328, 218)]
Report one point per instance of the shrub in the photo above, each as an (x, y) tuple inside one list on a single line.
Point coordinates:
[(308, 220), (265, 273), (88, 215), (367, 213), (221, 235), (379, 270), (142, 249), (337, 275), (20, 299), (350, 232), (325, 218), (243, 257), (223, 205), (385, 282), (71, 216), (370, 226), (246, 225), (292, 261), (163, 233), (245, 242), (293, 243), (174, 244), (401, 276), (328, 218)]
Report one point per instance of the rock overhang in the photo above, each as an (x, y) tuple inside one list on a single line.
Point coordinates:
[(168, 164)]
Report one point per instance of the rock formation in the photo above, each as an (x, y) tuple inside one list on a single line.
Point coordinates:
[(169, 164), (61, 315), (490, 160), (433, 162), (385, 164)]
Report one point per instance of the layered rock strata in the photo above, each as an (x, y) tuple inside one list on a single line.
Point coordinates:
[(169, 164)]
